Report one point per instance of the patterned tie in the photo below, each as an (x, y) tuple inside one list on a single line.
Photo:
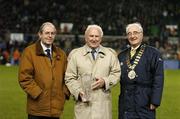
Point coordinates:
[(48, 53), (93, 53), (133, 51)]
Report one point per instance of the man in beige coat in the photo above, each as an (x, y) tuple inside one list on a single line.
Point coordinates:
[(91, 72), (41, 76)]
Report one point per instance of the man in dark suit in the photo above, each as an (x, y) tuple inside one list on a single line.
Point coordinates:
[(142, 77)]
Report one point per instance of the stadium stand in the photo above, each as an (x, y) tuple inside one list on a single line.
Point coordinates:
[(159, 18)]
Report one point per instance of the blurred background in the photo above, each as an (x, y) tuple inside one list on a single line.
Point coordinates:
[(20, 21)]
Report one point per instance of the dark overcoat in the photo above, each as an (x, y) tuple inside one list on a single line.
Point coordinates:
[(146, 88)]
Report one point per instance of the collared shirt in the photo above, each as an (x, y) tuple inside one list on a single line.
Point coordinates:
[(44, 48), (90, 49), (133, 50)]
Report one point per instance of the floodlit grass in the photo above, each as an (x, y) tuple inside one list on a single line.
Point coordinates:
[(170, 105), (13, 99)]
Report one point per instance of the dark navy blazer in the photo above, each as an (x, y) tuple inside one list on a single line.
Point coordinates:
[(137, 94)]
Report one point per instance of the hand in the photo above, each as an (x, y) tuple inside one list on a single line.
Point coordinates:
[(152, 107), (83, 97), (98, 84)]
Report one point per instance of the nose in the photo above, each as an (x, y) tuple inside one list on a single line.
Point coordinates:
[(132, 35), (50, 34), (94, 37)]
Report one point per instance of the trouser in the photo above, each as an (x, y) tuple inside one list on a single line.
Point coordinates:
[(41, 117)]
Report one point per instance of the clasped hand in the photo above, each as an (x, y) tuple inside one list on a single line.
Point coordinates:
[(99, 83)]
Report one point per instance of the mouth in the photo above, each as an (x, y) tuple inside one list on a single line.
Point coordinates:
[(49, 40), (93, 43), (133, 39)]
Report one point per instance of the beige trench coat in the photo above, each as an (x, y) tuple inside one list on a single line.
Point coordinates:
[(106, 65)]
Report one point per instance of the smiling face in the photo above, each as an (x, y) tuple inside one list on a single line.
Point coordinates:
[(93, 37), (134, 35), (47, 34)]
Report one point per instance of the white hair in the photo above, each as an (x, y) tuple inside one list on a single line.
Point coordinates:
[(134, 24), (94, 26)]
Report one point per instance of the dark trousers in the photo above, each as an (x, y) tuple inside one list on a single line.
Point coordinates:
[(41, 117)]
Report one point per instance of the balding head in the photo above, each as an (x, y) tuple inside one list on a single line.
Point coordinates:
[(46, 24)]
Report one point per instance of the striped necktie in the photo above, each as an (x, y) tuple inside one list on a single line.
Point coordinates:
[(93, 53), (133, 51), (48, 53)]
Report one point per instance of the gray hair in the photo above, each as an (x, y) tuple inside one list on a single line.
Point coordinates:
[(46, 24), (94, 26), (134, 24)]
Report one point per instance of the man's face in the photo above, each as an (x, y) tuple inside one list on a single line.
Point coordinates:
[(93, 38), (135, 36), (47, 35)]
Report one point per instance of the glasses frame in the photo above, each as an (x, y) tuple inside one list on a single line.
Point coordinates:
[(135, 33)]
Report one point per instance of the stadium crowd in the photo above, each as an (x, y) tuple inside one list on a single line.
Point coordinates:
[(25, 16)]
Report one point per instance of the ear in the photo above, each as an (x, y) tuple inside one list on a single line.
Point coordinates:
[(101, 39), (39, 34), (85, 39)]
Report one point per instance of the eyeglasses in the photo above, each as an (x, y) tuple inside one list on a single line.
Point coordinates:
[(133, 33)]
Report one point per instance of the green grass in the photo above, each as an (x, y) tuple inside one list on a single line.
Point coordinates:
[(13, 99), (170, 105)]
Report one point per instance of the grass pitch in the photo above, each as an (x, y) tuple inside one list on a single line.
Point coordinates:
[(13, 99)]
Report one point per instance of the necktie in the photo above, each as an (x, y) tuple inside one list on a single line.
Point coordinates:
[(133, 51), (93, 53), (48, 53)]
